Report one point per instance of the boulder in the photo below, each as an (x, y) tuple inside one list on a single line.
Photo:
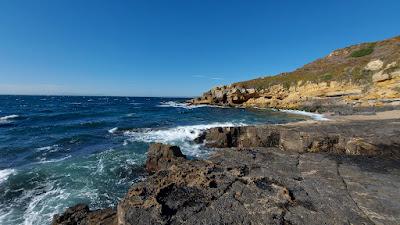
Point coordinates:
[(358, 146), (81, 215), (162, 156), (374, 65), (73, 215), (380, 76)]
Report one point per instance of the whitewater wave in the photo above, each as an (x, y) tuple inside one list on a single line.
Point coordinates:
[(113, 130), (182, 136), (37, 211), (179, 105), (180, 133), (314, 116), (4, 174), (43, 161), (51, 148), (8, 119)]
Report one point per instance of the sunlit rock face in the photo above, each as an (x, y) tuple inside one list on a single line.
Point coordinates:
[(365, 75)]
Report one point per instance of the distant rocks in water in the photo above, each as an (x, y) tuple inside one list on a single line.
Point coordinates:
[(162, 156)]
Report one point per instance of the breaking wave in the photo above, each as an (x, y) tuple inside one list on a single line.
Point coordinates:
[(182, 136), (8, 119), (314, 116), (179, 105), (4, 174)]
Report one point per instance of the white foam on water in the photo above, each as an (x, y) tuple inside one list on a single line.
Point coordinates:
[(180, 133), (8, 119), (51, 148), (54, 160), (179, 105), (4, 216), (38, 210), (4, 174), (181, 136), (315, 116), (113, 130)]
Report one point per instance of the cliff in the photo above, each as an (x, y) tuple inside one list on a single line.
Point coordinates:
[(363, 75)]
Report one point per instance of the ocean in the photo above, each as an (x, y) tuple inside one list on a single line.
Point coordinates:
[(57, 151)]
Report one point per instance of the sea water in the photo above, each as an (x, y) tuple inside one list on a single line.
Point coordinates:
[(57, 151)]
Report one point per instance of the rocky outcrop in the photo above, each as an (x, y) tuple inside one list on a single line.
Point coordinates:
[(341, 79), (292, 174), (162, 156), (81, 215), (357, 138)]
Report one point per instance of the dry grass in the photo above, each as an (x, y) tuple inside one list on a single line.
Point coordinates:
[(343, 65)]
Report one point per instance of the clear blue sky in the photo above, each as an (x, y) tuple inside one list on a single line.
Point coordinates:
[(173, 48)]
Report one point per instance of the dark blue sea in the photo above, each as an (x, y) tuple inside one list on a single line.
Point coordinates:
[(56, 151)]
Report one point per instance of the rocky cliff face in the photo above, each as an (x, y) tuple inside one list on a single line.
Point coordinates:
[(363, 75)]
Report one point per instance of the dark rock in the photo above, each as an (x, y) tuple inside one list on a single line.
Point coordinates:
[(162, 156), (73, 215), (356, 138), (81, 215), (271, 175)]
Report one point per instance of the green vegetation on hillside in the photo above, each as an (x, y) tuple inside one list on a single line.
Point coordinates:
[(364, 51), (343, 65)]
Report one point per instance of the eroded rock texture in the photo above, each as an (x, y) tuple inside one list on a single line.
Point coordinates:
[(254, 180), (268, 186), (355, 138), (161, 156)]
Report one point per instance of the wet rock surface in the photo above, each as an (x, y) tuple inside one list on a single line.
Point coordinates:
[(253, 180)]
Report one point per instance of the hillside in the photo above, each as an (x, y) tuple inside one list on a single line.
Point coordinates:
[(362, 75)]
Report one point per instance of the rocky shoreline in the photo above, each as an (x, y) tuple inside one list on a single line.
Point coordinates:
[(331, 172), (342, 171)]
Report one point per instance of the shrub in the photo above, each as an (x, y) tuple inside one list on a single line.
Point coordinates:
[(326, 77), (363, 52)]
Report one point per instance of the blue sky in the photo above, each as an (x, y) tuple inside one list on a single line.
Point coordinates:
[(173, 48)]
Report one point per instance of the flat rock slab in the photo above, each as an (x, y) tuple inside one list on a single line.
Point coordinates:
[(268, 186)]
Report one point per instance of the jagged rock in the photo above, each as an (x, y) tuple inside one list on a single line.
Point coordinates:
[(380, 76), (81, 215), (266, 186), (72, 215), (357, 138), (358, 146), (162, 156)]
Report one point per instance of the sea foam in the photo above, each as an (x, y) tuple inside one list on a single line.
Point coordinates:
[(4, 174), (182, 136), (314, 116), (8, 119), (180, 133), (179, 105), (113, 130)]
